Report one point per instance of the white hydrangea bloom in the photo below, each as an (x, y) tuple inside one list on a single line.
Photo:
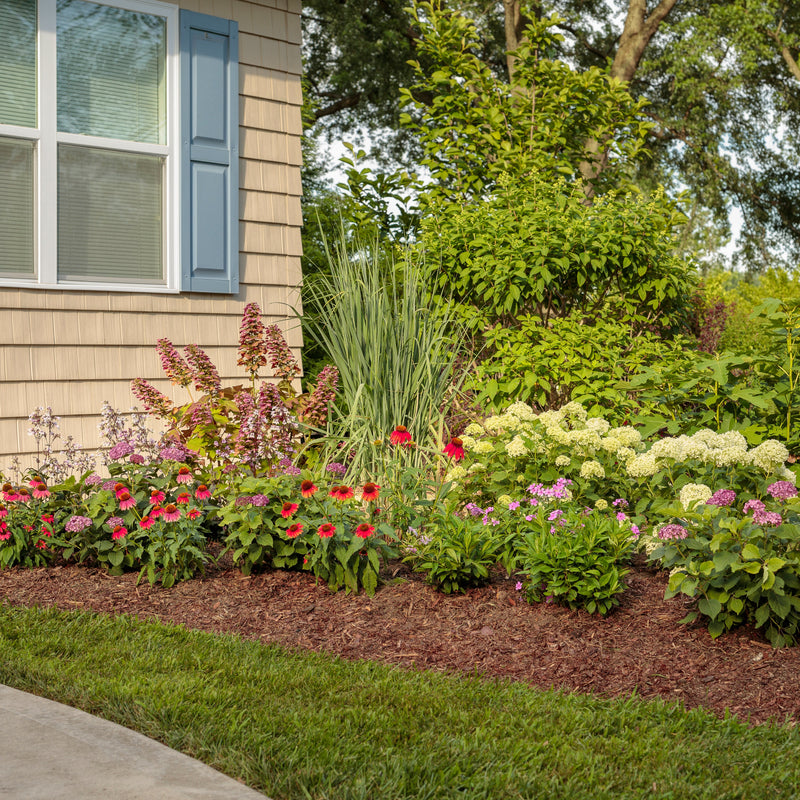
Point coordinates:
[(483, 447), (592, 469), (562, 461), (467, 442), (769, 456), (694, 494), (503, 500), (784, 473), (598, 424), (610, 444), (456, 473), (474, 429), (668, 447), (509, 422), (704, 435), (476, 467), (600, 504), (516, 447), (693, 448), (626, 435), (558, 435), (642, 466), (494, 424), (624, 453), (551, 419), (521, 411), (729, 456), (732, 439), (574, 409)]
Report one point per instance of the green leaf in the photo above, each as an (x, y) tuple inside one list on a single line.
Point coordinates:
[(750, 552), (709, 606)]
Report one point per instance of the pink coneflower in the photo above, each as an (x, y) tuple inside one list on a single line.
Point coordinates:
[(40, 491), (455, 449), (192, 513), (48, 518), (293, 531), (23, 496), (326, 530), (147, 522), (125, 501), (365, 530), (157, 512), (9, 493), (5, 533), (202, 492), (171, 513), (307, 488), (3, 512), (156, 497), (28, 528), (288, 509), (341, 492), (184, 475), (183, 498), (370, 492), (119, 487), (119, 532), (400, 435)]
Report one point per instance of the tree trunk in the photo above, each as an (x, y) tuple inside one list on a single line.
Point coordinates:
[(639, 29)]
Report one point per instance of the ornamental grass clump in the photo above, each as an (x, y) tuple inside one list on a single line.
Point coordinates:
[(394, 351)]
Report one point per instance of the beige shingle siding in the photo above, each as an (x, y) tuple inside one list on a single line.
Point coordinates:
[(72, 350)]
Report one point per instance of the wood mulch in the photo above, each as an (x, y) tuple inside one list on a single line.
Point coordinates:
[(490, 631)]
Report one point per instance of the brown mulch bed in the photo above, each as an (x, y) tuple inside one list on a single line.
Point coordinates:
[(490, 631)]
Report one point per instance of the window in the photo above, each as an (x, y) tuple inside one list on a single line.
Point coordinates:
[(118, 128)]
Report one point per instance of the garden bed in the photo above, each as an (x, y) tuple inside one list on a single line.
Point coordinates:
[(490, 631)]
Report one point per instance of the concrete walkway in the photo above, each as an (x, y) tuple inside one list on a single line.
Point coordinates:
[(49, 751)]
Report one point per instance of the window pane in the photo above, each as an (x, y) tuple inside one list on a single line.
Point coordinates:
[(111, 72), (16, 204), (18, 62), (110, 216)]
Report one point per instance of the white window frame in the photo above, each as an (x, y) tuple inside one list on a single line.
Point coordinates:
[(46, 139)]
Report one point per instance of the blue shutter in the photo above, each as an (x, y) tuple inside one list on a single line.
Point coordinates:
[(209, 154)]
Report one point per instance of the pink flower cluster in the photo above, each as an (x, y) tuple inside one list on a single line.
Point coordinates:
[(174, 366), (251, 340), (782, 490), (760, 514), (722, 497), (672, 532), (154, 401), (282, 361), (316, 410), (205, 375)]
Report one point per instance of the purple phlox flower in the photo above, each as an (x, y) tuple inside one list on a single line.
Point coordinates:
[(115, 522), (620, 502), (756, 506), (473, 509), (635, 531), (93, 480), (120, 450), (513, 505), (335, 468), (782, 490), (528, 517), (77, 524), (722, 497), (108, 485), (518, 587), (554, 515), (621, 516), (673, 532)]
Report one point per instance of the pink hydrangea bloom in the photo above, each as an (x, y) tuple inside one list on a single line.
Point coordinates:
[(722, 497), (782, 490), (673, 532)]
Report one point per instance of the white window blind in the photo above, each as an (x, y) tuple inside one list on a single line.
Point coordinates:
[(16, 208), (18, 62)]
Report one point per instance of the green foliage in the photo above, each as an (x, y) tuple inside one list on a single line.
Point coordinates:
[(395, 355), (455, 552), (533, 246), (573, 358), (577, 559), (739, 571), (474, 127)]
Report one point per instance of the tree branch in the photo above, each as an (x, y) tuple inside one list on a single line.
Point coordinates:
[(340, 105)]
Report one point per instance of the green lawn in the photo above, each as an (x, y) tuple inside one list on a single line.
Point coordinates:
[(303, 725)]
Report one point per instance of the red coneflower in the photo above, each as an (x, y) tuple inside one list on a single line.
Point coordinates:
[(326, 530), (455, 449), (184, 475), (125, 501), (192, 513), (119, 532), (400, 435), (370, 492), (3, 512), (365, 530), (48, 518), (147, 522), (341, 492), (183, 498), (293, 531), (307, 488), (171, 513), (41, 544), (288, 509), (202, 492)]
